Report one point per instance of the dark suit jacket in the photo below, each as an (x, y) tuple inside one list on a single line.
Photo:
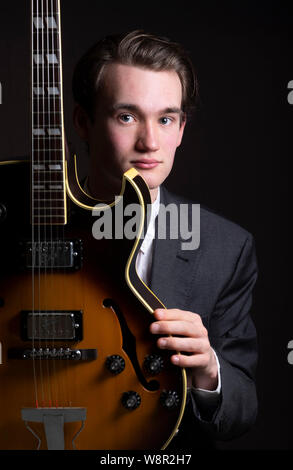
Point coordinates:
[(215, 281)]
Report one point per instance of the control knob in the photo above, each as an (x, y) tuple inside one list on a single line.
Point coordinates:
[(153, 364), (115, 364), (131, 400), (169, 399)]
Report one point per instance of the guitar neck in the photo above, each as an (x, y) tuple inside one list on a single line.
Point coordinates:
[(48, 149)]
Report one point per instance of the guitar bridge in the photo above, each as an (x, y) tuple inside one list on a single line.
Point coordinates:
[(53, 353)]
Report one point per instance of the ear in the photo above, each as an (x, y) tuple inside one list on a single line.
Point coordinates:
[(181, 129), (81, 122)]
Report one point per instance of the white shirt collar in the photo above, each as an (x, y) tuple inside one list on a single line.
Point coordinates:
[(149, 236)]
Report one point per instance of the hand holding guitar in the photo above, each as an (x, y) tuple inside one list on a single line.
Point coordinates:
[(190, 337)]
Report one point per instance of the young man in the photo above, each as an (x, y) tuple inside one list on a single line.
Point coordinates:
[(133, 93)]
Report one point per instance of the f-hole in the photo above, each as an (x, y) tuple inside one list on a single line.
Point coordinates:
[(129, 346)]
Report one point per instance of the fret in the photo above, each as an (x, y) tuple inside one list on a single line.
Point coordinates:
[(45, 67), (41, 178), (48, 190), (43, 149), (41, 98), (54, 203), (50, 206), (43, 40), (46, 95), (51, 104), (45, 75), (45, 142), (41, 220), (52, 183), (50, 8), (44, 85), (39, 156), (47, 113), (45, 11), (53, 199), (53, 216), (40, 189), (42, 160), (41, 138), (49, 212), (47, 171), (41, 12), (39, 175), (55, 209), (48, 151)]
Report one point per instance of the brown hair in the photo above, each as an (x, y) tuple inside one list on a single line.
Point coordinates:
[(134, 48)]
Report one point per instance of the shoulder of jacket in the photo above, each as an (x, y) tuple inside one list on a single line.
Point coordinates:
[(212, 222)]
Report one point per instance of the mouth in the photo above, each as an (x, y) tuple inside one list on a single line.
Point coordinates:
[(145, 163)]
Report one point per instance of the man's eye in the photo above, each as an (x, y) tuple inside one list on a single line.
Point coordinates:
[(126, 118), (166, 121)]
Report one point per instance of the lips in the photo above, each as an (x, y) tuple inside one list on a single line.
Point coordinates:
[(145, 163)]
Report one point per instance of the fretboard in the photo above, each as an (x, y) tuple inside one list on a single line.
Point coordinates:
[(47, 171)]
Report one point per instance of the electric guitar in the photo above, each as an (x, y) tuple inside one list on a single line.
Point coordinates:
[(78, 366)]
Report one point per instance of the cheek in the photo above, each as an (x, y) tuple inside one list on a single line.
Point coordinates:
[(171, 139), (118, 140), (170, 145)]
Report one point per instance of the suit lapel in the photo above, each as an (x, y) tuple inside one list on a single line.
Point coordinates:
[(173, 269)]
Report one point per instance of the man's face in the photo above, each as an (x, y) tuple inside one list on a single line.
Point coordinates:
[(136, 124)]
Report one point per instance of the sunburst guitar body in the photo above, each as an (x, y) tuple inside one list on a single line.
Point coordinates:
[(79, 368)]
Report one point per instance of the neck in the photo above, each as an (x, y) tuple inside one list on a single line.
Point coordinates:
[(154, 194)]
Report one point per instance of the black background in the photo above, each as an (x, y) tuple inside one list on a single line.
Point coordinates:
[(235, 154)]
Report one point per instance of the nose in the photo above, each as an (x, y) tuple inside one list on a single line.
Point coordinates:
[(147, 139)]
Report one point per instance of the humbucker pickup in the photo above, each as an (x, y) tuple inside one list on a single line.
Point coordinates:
[(51, 325), (57, 254)]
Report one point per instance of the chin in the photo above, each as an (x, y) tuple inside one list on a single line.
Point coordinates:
[(152, 180)]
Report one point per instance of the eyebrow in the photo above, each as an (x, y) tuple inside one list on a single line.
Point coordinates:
[(133, 107)]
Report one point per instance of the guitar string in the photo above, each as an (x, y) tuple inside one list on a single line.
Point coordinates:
[(59, 231), (36, 223), (39, 246), (50, 362), (33, 206), (47, 182), (36, 246), (64, 365), (53, 156)]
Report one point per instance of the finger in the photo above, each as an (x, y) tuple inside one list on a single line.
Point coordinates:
[(190, 345), (176, 314), (195, 360), (176, 327)]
